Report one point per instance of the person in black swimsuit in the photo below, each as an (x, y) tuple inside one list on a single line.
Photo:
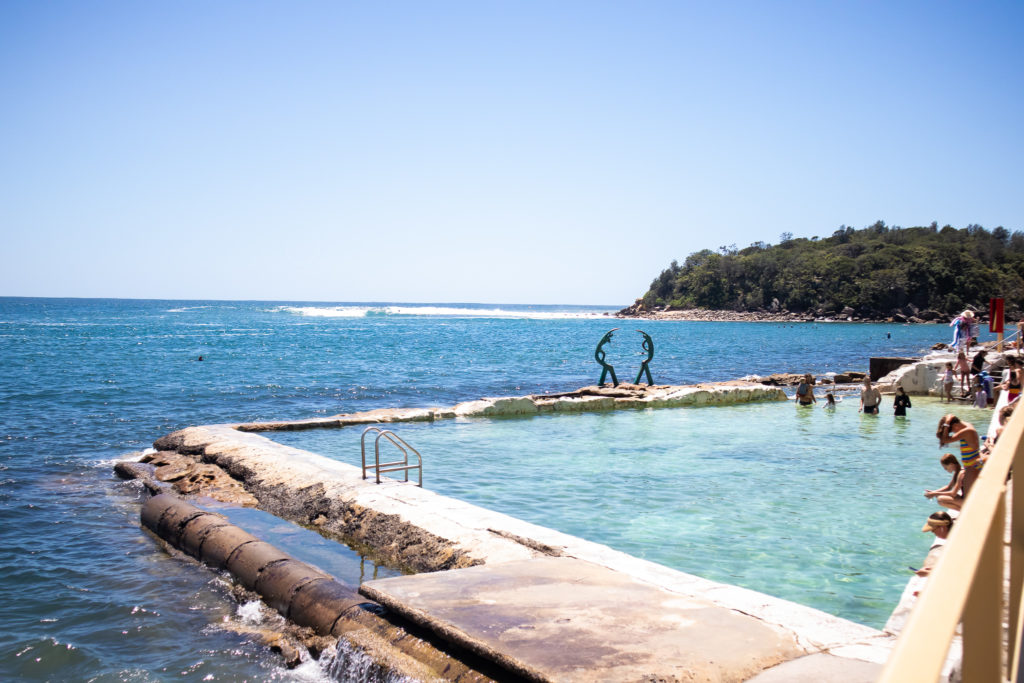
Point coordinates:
[(901, 403)]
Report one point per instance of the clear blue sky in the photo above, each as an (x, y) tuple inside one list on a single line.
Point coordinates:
[(485, 151)]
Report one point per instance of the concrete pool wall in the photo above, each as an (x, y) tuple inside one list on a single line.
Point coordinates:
[(424, 532)]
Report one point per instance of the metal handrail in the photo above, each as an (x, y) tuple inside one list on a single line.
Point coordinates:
[(968, 581), (1007, 341), (396, 466)]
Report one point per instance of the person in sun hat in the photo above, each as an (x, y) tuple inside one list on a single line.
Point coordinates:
[(963, 330), (940, 524)]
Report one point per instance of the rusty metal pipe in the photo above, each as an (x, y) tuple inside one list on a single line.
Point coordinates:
[(302, 593)]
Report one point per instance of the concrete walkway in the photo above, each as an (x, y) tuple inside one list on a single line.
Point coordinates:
[(563, 619)]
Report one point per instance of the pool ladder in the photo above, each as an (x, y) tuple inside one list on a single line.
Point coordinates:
[(396, 466)]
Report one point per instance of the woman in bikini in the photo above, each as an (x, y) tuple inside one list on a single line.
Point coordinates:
[(952, 429)]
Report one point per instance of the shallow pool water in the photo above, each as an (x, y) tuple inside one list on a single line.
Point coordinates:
[(822, 508)]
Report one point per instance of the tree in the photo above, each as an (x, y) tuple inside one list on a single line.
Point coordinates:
[(874, 270)]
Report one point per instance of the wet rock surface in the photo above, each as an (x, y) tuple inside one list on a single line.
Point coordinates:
[(188, 476)]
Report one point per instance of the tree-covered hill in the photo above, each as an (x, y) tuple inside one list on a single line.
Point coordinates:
[(878, 272)]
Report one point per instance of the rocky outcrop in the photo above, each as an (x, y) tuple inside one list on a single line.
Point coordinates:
[(791, 379), (774, 315), (924, 378)]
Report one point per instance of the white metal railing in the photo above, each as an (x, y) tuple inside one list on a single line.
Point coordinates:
[(396, 466)]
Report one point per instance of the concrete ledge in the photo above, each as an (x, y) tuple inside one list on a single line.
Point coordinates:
[(587, 399), (561, 619)]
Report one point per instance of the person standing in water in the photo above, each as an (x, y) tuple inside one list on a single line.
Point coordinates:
[(901, 403), (805, 392), (951, 430), (869, 398)]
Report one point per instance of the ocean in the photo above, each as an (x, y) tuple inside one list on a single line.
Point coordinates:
[(88, 596)]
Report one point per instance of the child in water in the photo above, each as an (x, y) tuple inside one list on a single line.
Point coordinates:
[(830, 402), (980, 397)]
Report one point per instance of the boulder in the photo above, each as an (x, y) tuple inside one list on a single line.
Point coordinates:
[(782, 379)]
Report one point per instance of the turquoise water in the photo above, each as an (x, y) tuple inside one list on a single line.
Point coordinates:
[(87, 595), (822, 508)]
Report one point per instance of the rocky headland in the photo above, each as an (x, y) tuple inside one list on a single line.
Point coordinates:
[(907, 314)]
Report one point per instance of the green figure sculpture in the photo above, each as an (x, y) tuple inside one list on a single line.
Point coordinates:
[(649, 348), (599, 357)]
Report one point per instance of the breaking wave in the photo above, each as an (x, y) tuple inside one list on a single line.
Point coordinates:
[(355, 311)]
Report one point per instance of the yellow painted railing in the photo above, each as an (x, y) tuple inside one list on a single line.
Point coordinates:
[(967, 584)]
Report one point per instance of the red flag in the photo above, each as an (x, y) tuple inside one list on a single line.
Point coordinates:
[(995, 315)]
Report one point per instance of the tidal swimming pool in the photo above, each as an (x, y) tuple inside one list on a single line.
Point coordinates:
[(823, 508)]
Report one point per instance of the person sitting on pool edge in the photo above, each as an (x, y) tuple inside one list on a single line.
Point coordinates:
[(805, 392), (870, 398), (952, 429), (949, 496), (940, 524)]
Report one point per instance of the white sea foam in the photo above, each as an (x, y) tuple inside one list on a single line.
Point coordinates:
[(186, 308), (250, 612), (108, 463), (328, 311), (440, 311)]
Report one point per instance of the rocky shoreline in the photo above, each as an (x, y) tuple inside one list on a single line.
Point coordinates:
[(908, 314)]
